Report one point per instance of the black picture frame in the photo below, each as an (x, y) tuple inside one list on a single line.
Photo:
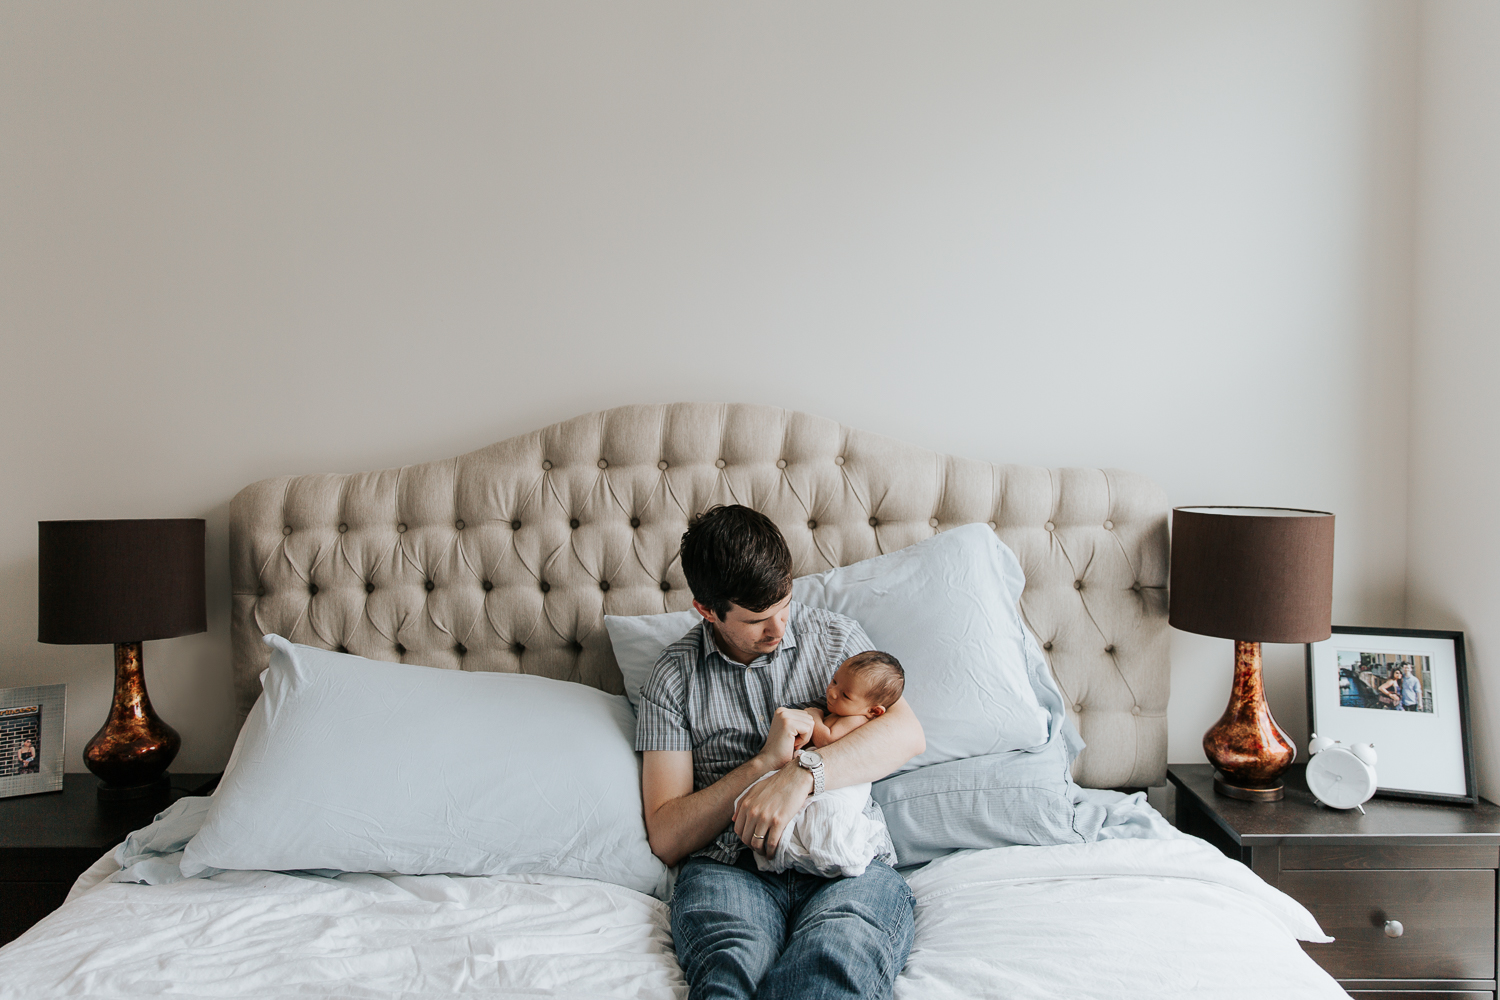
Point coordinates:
[(1343, 635)]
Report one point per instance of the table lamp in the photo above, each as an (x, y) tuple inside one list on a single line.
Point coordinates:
[(123, 582), (1254, 575)]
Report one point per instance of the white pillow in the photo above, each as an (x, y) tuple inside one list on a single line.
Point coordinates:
[(946, 607), (638, 641), (364, 766)]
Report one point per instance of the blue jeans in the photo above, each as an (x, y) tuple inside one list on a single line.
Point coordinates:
[(743, 933)]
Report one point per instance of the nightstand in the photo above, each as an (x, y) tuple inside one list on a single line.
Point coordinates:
[(48, 840), (1408, 889)]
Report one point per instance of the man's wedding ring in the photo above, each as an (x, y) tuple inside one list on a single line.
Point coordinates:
[(758, 838)]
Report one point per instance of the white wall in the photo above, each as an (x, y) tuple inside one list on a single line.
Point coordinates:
[(1455, 428), (258, 239)]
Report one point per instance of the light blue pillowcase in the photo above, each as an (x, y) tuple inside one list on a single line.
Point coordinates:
[(997, 800), (366, 766)]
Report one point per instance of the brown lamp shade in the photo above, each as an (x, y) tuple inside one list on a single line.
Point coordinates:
[(1256, 574), (120, 581)]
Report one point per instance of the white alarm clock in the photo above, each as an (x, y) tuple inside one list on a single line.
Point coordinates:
[(1341, 776)]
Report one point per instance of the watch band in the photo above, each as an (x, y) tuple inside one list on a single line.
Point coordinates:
[(814, 763)]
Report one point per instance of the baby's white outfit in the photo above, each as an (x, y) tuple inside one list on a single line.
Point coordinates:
[(837, 833)]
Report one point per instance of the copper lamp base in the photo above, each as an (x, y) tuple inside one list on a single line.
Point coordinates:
[(132, 750), (1247, 747)]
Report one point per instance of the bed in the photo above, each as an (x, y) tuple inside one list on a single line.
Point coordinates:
[(507, 559)]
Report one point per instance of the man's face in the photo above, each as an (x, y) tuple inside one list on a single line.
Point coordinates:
[(745, 635)]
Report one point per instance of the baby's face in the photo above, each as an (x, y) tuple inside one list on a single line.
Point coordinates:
[(849, 695)]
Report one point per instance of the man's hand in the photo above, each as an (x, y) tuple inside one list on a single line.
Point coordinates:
[(791, 728), (768, 807)]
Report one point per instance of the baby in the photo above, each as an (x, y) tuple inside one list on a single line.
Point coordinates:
[(863, 687), (839, 831)]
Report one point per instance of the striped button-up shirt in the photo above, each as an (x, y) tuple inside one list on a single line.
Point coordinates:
[(700, 700)]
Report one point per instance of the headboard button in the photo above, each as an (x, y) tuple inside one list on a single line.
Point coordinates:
[(1050, 526), (286, 529), (401, 529), (720, 463), (343, 528), (1078, 708), (573, 522), (1135, 710), (312, 588), (781, 463), (874, 522), (342, 649), (635, 522), (546, 466), (932, 522), (428, 585), (546, 586), (488, 586), (812, 524), (603, 464), (839, 460), (460, 649), (369, 587), (400, 649), (1109, 526), (518, 649), (1110, 649), (665, 586), (260, 591), (459, 525), (1047, 645), (662, 465), (1077, 584), (603, 584), (515, 526)]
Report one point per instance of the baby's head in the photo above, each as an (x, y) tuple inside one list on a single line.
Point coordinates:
[(866, 684)]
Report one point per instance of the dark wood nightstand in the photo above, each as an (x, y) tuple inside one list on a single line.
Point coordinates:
[(1423, 873), (48, 840)]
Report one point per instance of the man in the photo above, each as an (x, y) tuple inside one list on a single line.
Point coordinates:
[(722, 709)]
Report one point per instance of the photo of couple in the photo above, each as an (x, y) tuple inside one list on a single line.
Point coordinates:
[(1384, 681)]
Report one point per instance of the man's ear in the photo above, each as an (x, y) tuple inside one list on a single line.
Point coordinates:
[(877, 711), (703, 610)]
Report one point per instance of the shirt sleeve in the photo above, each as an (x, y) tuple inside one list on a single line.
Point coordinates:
[(661, 717), (855, 642)]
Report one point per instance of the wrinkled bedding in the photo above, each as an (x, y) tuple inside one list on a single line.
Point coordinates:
[(1131, 915)]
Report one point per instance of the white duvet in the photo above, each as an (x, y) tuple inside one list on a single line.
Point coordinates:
[(1119, 918)]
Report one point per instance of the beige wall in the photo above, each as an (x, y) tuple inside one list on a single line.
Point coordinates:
[(255, 239), (1455, 429)]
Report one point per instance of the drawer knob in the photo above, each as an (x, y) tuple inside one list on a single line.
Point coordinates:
[(1393, 928)]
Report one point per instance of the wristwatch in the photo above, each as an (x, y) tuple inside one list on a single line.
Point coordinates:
[(813, 761)]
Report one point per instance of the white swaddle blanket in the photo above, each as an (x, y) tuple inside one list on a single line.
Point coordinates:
[(838, 832)]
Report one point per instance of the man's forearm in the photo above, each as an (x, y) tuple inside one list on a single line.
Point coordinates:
[(683, 825), (875, 749)]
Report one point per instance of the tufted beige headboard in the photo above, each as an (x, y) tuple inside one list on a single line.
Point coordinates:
[(507, 558)]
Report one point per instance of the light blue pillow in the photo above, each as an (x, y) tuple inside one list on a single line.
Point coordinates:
[(998, 800), (946, 607), (365, 766)]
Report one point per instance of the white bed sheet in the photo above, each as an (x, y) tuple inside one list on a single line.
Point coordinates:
[(1120, 918)]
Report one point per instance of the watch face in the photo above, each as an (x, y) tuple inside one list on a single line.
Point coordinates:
[(1340, 779), (809, 758)]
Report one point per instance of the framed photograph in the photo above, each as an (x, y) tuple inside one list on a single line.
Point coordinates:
[(32, 724), (1405, 691)]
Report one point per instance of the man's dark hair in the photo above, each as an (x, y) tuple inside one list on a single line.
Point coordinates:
[(735, 555), (884, 674)]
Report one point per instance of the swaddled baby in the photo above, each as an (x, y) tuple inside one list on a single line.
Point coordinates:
[(839, 831)]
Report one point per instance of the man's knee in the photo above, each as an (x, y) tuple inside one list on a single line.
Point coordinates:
[(870, 916)]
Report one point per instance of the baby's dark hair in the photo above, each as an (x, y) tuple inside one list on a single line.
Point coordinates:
[(882, 672)]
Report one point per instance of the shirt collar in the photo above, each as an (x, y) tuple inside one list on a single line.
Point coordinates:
[(710, 647)]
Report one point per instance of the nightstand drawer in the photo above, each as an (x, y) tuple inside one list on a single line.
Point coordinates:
[(1448, 916), (1359, 857)]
